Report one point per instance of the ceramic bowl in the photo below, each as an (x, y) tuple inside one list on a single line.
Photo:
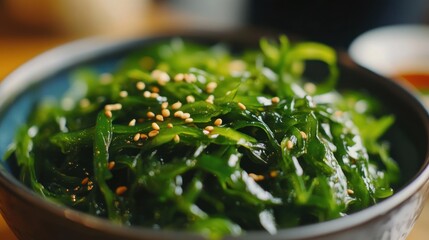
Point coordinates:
[(32, 217)]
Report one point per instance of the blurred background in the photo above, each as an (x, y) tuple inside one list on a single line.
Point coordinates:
[(28, 28)]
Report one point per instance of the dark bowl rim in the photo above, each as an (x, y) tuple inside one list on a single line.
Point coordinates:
[(63, 56)]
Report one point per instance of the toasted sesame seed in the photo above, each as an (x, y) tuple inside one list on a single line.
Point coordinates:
[(150, 114), (218, 122), (154, 95), (146, 94), (176, 138), (176, 105), (113, 107), (189, 120), (123, 94), (132, 122), (289, 144), (108, 114), (159, 118), (155, 89), (143, 136), (275, 100), (153, 133), (155, 126), (85, 181), (121, 190), (190, 78), (164, 105), (241, 106), (179, 77), (274, 173), (111, 165), (210, 99), (160, 76), (211, 86), (190, 99), (178, 114), (169, 125), (256, 177), (140, 85), (209, 128), (165, 112), (136, 137), (350, 192), (303, 135), (186, 115)]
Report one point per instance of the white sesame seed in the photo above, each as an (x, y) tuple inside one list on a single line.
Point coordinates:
[(206, 132), (176, 105), (154, 95), (165, 112), (210, 99), (303, 135), (179, 77), (211, 86), (155, 126), (350, 192), (136, 137), (190, 78), (132, 123), (113, 107), (169, 125), (289, 144), (241, 106), (140, 85), (176, 138), (218, 122), (189, 120), (108, 114), (186, 115), (190, 99), (209, 128)]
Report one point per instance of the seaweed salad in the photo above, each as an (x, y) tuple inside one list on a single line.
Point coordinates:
[(197, 137)]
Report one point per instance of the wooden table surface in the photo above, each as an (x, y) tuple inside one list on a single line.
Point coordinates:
[(14, 50)]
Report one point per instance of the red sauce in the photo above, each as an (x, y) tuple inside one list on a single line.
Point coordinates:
[(420, 80)]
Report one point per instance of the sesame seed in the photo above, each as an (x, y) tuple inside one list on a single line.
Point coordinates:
[(189, 120), (108, 114), (153, 133), (190, 78), (169, 125), (113, 107), (178, 114), (136, 137), (140, 85), (160, 76), (274, 173), (146, 94), (186, 115), (85, 181), (209, 128), (241, 106), (303, 135), (176, 138), (159, 118), (289, 144), (218, 122), (155, 89), (350, 192), (275, 100), (190, 99), (210, 99), (256, 177), (164, 105), (154, 95), (121, 190), (211, 86), (111, 165), (310, 87), (143, 136), (206, 132), (123, 94), (176, 105), (155, 126), (132, 123), (150, 114), (165, 112), (179, 77)]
